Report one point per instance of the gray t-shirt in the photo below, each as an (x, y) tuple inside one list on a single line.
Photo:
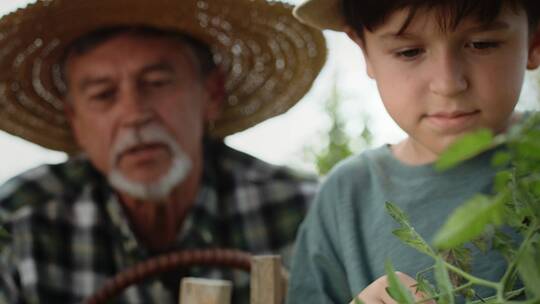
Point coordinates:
[(347, 236)]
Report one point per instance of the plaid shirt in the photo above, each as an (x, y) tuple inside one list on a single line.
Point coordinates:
[(70, 233)]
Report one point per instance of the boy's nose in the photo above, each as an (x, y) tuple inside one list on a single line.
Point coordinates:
[(448, 78)]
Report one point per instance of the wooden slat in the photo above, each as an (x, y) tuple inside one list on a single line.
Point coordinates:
[(205, 291), (267, 285)]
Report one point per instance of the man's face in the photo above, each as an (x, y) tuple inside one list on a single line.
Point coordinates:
[(126, 92), (438, 84)]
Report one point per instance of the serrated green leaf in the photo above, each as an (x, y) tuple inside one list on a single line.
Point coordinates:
[(527, 206), (406, 233), (396, 289), (460, 257), (501, 159), (465, 148), (397, 214), (528, 149), (504, 244), (443, 283), (468, 221), (535, 188), (481, 243), (424, 286), (529, 270), (413, 239), (502, 180)]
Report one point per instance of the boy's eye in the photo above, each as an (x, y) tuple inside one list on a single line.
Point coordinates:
[(484, 45), (410, 53)]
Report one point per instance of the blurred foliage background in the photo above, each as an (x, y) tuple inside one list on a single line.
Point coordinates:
[(336, 143)]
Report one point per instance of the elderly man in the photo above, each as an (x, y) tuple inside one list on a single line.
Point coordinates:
[(131, 90)]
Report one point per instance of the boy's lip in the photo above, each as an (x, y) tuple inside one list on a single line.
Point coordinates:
[(453, 120)]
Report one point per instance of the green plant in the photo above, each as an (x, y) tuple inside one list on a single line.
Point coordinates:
[(515, 204), (337, 143)]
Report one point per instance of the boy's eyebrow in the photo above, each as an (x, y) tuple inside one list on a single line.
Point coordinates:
[(489, 27), (492, 26), (398, 35)]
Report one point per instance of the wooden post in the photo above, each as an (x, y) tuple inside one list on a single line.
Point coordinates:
[(267, 285), (205, 291)]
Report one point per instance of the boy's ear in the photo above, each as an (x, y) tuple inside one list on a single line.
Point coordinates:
[(534, 50), (362, 44)]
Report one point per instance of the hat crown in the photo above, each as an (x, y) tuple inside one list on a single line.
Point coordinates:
[(321, 14)]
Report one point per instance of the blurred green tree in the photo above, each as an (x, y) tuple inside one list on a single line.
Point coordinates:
[(337, 143)]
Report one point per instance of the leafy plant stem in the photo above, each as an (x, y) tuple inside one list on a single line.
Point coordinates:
[(464, 286), (474, 280), (512, 266), (531, 301), (422, 272)]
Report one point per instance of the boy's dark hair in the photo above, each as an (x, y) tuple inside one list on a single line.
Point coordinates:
[(369, 14), (91, 40)]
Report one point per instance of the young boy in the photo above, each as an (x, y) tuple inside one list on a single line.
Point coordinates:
[(443, 68)]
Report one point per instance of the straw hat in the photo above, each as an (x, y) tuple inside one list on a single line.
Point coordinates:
[(270, 59), (321, 14)]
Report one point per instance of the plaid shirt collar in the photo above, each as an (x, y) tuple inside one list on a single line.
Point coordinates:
[(195, 232)]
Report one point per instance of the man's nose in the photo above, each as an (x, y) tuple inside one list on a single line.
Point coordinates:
[(448, 75), (136, 108)]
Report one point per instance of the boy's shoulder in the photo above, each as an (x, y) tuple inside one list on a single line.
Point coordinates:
[(381, 155), (360, 168)]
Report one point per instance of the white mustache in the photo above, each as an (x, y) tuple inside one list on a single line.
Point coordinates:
[(152, 133), (148, 134)]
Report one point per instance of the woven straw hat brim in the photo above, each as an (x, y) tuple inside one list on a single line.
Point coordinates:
[(321, 14), (270, 59)]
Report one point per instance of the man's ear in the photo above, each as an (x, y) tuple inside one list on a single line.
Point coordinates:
[(68, 110), (362, 45), (534, 50), (69, 113), (215, 88)]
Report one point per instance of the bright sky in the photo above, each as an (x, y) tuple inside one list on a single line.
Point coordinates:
[(281, 140)]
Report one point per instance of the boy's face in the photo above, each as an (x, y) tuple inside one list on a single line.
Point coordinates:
[(438, 85)]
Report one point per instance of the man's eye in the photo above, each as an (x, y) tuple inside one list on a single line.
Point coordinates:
[(158, 82), (410, 53), (103, 96)]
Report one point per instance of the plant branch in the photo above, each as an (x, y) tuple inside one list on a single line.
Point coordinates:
[(512, 266), (473, 279)]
